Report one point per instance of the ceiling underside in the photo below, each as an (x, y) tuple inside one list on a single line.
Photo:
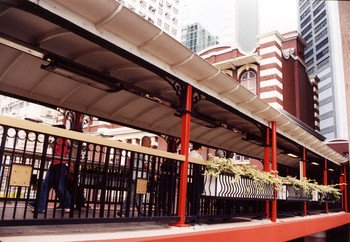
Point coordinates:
[(112, 84)]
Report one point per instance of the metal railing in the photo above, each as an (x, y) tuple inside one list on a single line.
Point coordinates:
[(107, 181), (110, 181)]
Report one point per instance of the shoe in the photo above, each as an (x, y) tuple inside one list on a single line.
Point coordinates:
[(121, 214), (31, 204), (39, 210), (59, 208)]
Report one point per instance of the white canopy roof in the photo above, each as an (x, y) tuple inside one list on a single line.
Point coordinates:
[(100, 58)]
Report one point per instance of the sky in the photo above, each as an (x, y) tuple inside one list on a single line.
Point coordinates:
[(280, 15)]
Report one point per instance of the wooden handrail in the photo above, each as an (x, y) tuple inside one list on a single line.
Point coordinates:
[(42, 128)]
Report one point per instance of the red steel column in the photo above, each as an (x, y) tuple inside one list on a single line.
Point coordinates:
[(274, 169), (325, 179), (267, 165), (341, 181), (345, 190), (304, 175), (185, 143)]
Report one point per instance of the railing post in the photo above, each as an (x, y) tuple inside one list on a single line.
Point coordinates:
[(267, 165), (185, 142), (274, 169), (304, 175), (325, 179)]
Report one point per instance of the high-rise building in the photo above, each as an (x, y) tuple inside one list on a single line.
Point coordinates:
[(234, 22), (165, 14), (196, 38), (320, 27)]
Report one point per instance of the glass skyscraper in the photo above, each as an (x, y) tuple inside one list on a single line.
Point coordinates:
[(233, 22)]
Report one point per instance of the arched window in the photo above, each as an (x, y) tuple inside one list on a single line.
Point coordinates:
[(248, 80)]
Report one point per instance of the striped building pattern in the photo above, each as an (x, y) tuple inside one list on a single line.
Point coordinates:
[(275, 71), (271, 84)]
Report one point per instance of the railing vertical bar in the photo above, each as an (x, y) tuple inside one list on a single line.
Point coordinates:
[(104, 181)]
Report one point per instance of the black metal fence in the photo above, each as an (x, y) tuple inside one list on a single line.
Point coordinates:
[(95, 181), (101, 182)]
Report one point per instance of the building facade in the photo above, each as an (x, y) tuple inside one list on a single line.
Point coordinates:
[(320, 28), (234, 22), (196, 38), (165, 14), (275, 72), (21, 109)]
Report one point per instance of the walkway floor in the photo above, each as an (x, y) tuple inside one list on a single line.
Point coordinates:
[(120, 231)]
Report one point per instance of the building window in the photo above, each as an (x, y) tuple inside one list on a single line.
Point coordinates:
[(322, 43), (307, 20), (150, 20), (320, 26), (308, 37), (166, 26), (248, 80), (320, 35), (322, 53), (311, 71), (152, 9), (319, 8), (308, 45), (306, 30), (175, 20), (173, 31), (319, 17), (317, 2), (175, 10), (304, 14), (308, 54), (143, 4), (322, 63), (310, 62)]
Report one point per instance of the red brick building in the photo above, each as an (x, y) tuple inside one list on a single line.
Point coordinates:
[(275, 72)]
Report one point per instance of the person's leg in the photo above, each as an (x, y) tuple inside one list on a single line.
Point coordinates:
[(63, 193), (45, 188), (131, 197)]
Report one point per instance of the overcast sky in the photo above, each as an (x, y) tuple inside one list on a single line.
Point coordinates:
[(278, 15)]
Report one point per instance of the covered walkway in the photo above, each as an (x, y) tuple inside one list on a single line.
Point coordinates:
[(105, 61)]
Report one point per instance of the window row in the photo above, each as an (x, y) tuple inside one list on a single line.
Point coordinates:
[(304, 14), (319, 17)]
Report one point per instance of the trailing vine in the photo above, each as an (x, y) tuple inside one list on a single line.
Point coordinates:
[(217, 166)]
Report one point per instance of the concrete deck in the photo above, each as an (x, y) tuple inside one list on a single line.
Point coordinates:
[(135, 231)]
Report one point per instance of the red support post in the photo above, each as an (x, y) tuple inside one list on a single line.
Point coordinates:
[(345, 190), (267, 166), (341, 181), (274, 169), (185, 144), (325, 179), (304, 175)]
